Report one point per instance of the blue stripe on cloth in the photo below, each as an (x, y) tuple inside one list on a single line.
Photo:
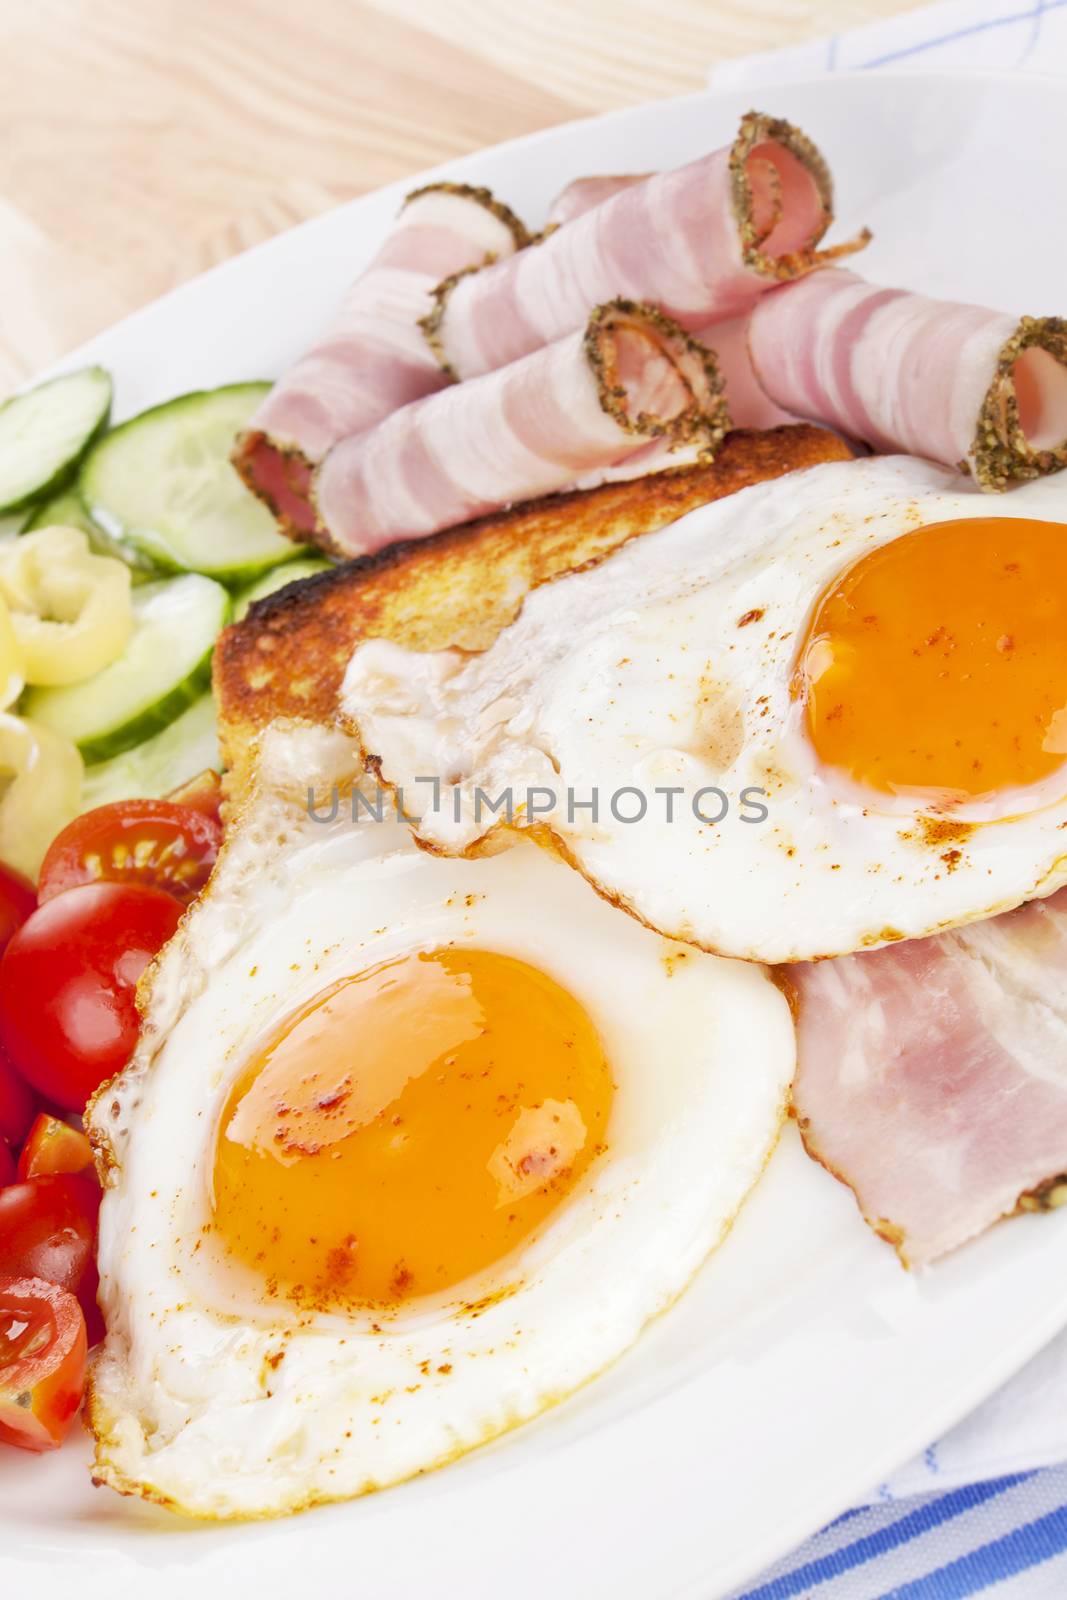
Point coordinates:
[(1018, 1551), (1031, 14), (927, 1516)]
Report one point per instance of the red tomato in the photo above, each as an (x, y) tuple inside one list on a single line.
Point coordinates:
[(17, 1102), (68, 1015), (42, 1362), (7, 1165), (47, 1228), (153, 842), (53, 1146)]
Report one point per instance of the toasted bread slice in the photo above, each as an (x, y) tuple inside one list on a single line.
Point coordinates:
[(288, 656)]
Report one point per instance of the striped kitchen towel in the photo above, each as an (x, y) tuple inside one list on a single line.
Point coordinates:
[(997, 1523), (1006, 1538)]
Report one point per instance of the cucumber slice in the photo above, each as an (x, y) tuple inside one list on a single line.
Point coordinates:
[(291, 573), (45, 432), (163, 669), (65, 510), (68, 511), (153, 769), (163, 484)]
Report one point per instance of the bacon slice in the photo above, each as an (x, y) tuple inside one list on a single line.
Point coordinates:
[(958, 384), (702, 242), (629, 376), (585, 194), (932, 1075), (373, 358)]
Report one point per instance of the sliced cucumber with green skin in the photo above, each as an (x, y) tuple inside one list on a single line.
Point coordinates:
[(292, 572), (163, 669), (150, 770), (163, 484), (45, 432), (67, 510)]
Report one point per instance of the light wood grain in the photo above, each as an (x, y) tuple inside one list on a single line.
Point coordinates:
[(143, 140)]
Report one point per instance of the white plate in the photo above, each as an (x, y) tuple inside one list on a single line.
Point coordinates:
[(803, 1365)]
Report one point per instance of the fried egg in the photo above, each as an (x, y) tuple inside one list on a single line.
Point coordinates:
[(817, 716), (410, 1149)]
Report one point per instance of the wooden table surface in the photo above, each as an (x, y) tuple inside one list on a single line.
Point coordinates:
[(143, 140)]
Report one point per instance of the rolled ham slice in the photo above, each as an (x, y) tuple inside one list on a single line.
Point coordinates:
[(750, 405), (702, 243), (969, 387), (932, 1076), (585, 194), (373, 357), (630, 375)]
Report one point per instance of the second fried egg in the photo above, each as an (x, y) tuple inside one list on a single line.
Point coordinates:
[(819, 715)]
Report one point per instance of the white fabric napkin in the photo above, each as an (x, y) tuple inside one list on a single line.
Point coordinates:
[(1024, 36), (1023, 1425)]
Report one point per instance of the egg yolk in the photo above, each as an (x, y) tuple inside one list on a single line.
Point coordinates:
[(937, 664), (408, 1128)]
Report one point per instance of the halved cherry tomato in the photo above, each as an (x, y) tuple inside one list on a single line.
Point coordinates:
[(68, 979), (17, 1102), (7, 1165), (53, 1146), (203, 793), (42, 1362), (152, 842)]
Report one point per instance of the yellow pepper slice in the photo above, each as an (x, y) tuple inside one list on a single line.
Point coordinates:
[(41, 779), (70, 608), (12, 665)]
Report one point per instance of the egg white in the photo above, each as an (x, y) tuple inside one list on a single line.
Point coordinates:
[(669, 665), (216, 1399)]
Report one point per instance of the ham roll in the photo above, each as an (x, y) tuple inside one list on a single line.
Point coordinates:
[(954, 383), (373, 358), (628, 376), (750, 406), (932, 1076), (702, 243), (585, 194)]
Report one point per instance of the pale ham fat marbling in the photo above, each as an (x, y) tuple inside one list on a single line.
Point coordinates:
[(952, 383), (703, 242), (628, 377), (932, 1074), (583, 194), (373, 358)]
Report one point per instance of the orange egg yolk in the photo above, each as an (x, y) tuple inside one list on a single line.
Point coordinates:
[(937, 664), (408, 1128)]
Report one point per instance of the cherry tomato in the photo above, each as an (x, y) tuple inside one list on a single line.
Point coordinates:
[(53, 1146), (7, 1165), (68, 979), (153, 842), (48, 1227), (17, 1102), (17, 900), (42, 1362)]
